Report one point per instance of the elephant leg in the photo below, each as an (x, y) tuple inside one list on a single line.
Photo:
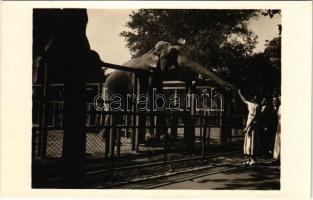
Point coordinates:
[(109, 135), (106, 136), (141, 129), (150, 124), (161, 120), (106, 118), (142, 119), (174, 123), (189, 133), (117, 119)]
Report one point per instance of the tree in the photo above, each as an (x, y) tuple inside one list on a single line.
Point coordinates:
[(270, 12), (218, 39), (261, 77), (215, 38), (273, 52), (262, 73), (263, 70)]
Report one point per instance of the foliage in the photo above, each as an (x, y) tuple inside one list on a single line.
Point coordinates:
[(218, 39), (210, 35), (261, 77), (273, 52), (271, 13), (262, 71)]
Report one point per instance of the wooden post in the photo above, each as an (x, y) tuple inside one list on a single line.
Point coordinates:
[(189, 130), (192, 122), (44, 136), (118, 142), (112, 135), (174, 121), (204, 135), (134, 117), (88, 115), (138, 118), (225, 131)]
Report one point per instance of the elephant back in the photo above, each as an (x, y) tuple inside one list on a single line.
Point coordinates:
[(119, 82)]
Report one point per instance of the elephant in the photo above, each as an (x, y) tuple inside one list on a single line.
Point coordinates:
[(162, 60)]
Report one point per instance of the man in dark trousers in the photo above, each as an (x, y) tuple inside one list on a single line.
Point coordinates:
[(75, 54), (60, 38)]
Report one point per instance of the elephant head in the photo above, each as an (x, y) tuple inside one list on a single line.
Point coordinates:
[(169, 57), (175, 57), (149, 60)]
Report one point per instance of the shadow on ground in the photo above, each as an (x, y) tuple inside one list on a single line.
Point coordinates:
[(257, 177)]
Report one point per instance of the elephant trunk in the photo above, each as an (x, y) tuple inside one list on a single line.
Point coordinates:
[(199, 69)]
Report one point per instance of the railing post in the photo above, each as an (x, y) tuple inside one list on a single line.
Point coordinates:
[(134, 116), (204, 137), (138, 117), (112, 133), (189, 130), (225, 130), (88, 114), (34, 141), (44, 136), (40, 127), (208, 140), (165, 145), (118, 141)]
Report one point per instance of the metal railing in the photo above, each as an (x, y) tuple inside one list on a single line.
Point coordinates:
[(183, 135)]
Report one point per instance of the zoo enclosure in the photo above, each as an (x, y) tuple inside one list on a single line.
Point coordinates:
[(187, 134)]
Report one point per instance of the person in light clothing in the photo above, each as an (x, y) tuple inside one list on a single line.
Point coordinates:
[(276, 154), (251, 129)]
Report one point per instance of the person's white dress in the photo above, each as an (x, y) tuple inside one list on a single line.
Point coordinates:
[(250, 141), (276, 154)]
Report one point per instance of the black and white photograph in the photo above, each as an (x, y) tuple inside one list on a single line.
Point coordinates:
[(156, 99)]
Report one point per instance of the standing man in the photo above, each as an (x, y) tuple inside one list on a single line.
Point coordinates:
[(75, 54)]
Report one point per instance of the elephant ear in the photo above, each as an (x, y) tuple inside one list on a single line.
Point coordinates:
[(160, 50), (151, 58), (184, 61)]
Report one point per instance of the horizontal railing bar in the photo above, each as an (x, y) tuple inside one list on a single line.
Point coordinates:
[(62, 84), (92, 128), (180, 113), (169, 126), (173, 82), (174, 88)]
